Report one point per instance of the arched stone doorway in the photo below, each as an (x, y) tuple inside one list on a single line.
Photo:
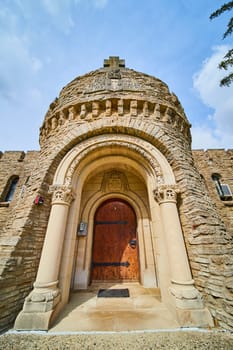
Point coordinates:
[(112, 178), (163, 258), (115, 248)]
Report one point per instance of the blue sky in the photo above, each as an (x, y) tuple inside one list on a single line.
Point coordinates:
[(44, 44)]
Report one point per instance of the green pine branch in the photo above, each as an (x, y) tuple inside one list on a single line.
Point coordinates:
[(229, 28), (227, 62), (226, 7), (227, 80)]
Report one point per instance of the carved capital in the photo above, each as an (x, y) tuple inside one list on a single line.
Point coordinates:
[(61, 194), (166, 193)]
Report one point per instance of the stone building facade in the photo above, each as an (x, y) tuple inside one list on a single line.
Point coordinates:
[(116, 138)]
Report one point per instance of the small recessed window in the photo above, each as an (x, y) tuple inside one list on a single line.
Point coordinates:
[(10, 188), (224, 190)]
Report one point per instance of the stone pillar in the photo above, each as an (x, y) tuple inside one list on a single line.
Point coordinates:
[(184, 295), (40, 303)]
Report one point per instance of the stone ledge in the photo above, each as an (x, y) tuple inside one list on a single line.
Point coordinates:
[(228, 203), (4, 204)]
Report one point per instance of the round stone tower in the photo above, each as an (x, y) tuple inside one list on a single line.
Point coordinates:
[(116, 154), (121, 98)]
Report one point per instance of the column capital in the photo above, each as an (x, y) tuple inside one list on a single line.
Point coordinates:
[(61, 194), (166, 193)]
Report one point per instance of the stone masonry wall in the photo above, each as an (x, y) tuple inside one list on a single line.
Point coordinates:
[(207, 238), (217, 161), (209, 244), (213, 270), (22, 230), (146, 110), (22, 233)]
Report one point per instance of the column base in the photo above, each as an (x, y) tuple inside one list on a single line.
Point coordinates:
[(200, 318), (37, 310), (39, 321), (186, 296), (189, 306)]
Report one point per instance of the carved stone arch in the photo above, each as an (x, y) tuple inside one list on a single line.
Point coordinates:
[(135, 201), (152, 158)]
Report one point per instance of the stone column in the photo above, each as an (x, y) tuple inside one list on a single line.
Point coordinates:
[(45, 295), (182, 288)]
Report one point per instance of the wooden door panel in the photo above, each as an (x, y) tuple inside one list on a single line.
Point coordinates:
[(113, 258)]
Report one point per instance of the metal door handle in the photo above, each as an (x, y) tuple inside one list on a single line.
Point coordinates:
[(133, 243)]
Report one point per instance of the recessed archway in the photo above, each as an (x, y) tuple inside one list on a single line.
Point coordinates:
[(137, 198), (122, 153)]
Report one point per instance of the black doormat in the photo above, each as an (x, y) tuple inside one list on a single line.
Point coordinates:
[(113, 293)]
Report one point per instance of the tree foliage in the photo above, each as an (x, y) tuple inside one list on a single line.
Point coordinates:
[(227, 61)]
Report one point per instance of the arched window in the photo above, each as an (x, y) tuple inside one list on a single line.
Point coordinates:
[(10, 189), (224, 190)]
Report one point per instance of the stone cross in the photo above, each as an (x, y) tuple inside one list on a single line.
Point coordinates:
[(114, 62)]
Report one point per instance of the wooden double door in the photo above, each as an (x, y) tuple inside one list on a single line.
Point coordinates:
[(115, 247)]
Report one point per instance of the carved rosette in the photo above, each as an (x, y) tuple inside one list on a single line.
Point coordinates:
[(166, 193), (61, 194)]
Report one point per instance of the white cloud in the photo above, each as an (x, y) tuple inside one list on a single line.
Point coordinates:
[(204, 137), (61, 12), (17, 65), (206, 82)]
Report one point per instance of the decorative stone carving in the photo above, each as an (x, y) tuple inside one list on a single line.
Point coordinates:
[(188, 293), (166, 193), (54, 123), (145, 109), (62, 118), (120, 141), (72, 113), (114, 74), (83, 111), (133, 108), (61, 194), (95, 109), (186, 297), (120, 107), (157, 111), (108, 106), (42, 301), (167, 115), (90, 110), (114, 181)]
